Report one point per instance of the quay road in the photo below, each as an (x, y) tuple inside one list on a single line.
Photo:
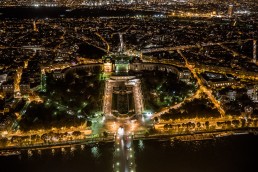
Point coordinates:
[(60, 144), (177, 125), (25, 138), (126, 132), (170, 135)]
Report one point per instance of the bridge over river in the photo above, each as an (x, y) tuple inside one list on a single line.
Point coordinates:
[(124, 153)]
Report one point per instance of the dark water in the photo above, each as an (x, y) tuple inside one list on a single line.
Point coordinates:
[(57, 12), (232, 154), (91, 158)]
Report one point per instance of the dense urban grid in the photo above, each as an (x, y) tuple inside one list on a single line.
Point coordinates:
[(121, 70)]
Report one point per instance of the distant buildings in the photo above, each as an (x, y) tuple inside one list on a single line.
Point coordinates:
[(8, 87), (252, 92), (51, 3), (136, 65), (214, 80), (3, 78), (58, 75), (7, 82), (55, 43), (232, 95)]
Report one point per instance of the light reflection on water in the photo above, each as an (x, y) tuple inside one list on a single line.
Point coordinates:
[(39, 152), (53, 152), (123, 157), (82, 147), (63, 151), (72, 150), (233, 154), (95, 152), (141, 145), (30, 153)]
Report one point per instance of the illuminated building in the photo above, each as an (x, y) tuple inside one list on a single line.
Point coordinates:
[(24, 88), (8, 87), (107, 65), (58, 74), (252, 92), (123, 95), (215, 80), (3, 78)]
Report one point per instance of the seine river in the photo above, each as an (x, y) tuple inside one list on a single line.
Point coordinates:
[(228, 154)]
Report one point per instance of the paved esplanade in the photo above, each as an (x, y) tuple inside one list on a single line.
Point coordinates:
[(124, 154)]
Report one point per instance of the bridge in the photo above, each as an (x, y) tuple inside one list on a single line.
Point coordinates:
[(124, 153)]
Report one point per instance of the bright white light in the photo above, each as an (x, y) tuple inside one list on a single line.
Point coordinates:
[(82, 147), (103, 119), (120, 131), (149, 114), (141, 145), (243, 12), (4, 133), (143, 120), (95, 151), (63, 149)]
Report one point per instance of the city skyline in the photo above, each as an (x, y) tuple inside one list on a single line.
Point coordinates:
[(115, 79), (53, 3)]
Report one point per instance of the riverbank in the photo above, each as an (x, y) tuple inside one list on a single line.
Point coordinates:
[(232, 153), (198, 136)]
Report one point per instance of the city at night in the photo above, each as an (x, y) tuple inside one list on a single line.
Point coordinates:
[(128, 85)]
